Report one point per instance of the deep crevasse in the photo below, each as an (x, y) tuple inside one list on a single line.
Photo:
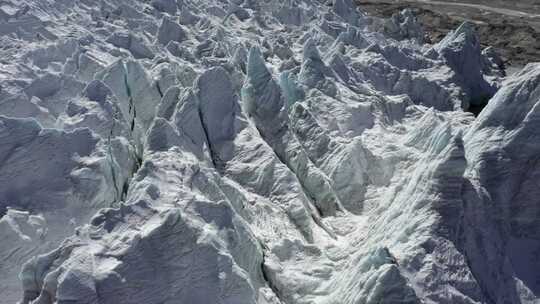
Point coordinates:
[(259, 152)]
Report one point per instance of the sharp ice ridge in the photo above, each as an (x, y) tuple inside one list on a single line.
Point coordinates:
[(260, 152)]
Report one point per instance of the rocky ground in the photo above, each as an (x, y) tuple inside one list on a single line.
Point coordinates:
[(512, 27)]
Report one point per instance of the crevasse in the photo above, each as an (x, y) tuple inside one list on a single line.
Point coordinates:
[(277, 152)]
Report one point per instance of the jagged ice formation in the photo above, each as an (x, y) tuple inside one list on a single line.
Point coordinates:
[(269, 152)]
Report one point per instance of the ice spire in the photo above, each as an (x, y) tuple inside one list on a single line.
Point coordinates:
[(261, 94)]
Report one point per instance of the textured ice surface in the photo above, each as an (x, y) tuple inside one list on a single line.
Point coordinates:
[(269, 152)]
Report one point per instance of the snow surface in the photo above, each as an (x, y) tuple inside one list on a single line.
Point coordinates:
[(269, 152)]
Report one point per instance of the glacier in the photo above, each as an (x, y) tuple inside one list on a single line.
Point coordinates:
[(262, 152)]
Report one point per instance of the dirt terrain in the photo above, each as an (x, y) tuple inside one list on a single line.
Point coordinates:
[(527, 6), (512, 27)]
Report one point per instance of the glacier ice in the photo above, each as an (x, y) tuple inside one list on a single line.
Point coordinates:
[(262, 152), (170, 31), (461, 50)]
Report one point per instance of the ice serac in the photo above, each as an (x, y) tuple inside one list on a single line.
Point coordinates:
[(503, 150), (314, 72), (98, 263), (217, 107), (261, 152), (261, 93), (82, 175), (17, 133), (404, 25), (169, 30), (168, 6), (257, 168), (136, 45), (461, 50), (264, 100), (345, 164), (427, 226)]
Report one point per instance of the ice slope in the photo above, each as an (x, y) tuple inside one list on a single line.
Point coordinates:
[(276, 152)]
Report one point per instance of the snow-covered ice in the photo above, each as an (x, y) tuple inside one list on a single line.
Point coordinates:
[(262, 152)]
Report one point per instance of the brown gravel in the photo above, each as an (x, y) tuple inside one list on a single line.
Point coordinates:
[(517, 39)]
